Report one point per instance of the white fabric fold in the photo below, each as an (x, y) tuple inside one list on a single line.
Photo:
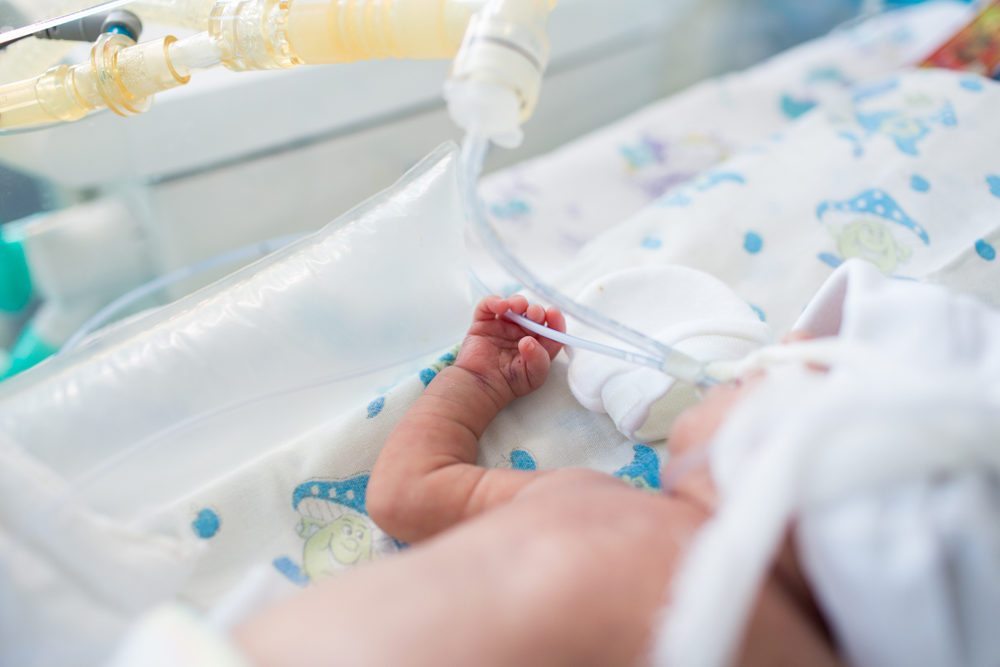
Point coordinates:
[(890, 464)]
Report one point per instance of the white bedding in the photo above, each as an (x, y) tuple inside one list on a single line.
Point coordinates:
[(268, 516)]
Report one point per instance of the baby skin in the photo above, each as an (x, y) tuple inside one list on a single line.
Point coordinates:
[(513, 567)]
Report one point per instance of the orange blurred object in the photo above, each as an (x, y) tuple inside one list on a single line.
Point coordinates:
[(975, 48)]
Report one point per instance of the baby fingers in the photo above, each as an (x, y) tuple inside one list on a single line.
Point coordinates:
[(554, 319), (490, 308), (518, 304), (536, 361), (535, 313)]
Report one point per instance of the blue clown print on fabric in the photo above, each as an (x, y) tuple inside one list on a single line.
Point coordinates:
[(644, 471), (869, 226), (510, 209), (875, 90), (648, 151), (676, 199), (794, 107), (684, 196), (514, 201), (828, 74), (907, 122), (334, 527), (904, 128), (659, 164), (715, 178)]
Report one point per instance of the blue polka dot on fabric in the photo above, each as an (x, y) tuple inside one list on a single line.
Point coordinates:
[(994, 182), (919, 183), (760, 313), (651, 243), (375, 407), (206, 524), (753, 243), (522, 460), (985, 250), (970, 83), (427, 375)]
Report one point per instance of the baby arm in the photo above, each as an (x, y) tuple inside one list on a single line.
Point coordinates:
[(426, 478)]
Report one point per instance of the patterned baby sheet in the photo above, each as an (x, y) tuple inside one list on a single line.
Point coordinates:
[(902, 174), (546, 209)]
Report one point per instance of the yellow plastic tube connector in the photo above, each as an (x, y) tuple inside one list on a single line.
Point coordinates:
[(120, 75), (511, 49), (272, 34), (321, 31)]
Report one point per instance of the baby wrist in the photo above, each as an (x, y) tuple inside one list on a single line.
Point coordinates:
[(475, 382)]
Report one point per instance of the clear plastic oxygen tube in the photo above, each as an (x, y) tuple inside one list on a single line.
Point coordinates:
[(569, 339), (656, 354)]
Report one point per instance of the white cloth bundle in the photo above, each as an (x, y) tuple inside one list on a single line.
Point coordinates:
[(890, 463)]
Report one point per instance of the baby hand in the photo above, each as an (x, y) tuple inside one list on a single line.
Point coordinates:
[(510, 360)]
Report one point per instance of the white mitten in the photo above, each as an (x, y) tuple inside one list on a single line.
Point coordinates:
[(684, 308)]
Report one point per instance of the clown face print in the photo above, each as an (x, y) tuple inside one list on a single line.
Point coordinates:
[(335, 528), (873, 227)]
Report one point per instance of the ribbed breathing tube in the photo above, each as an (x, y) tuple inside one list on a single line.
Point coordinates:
[(648, 351)]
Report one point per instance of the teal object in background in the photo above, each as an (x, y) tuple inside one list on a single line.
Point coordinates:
[(29, 350), (15, 278)]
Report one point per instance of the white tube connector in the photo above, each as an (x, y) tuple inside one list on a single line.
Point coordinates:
[(199, 51), (496, 76)]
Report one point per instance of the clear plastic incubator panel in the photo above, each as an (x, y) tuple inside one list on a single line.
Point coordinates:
[(256, 358)]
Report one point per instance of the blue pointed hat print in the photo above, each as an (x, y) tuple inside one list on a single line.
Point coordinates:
[(350, 493), (878, 203)]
